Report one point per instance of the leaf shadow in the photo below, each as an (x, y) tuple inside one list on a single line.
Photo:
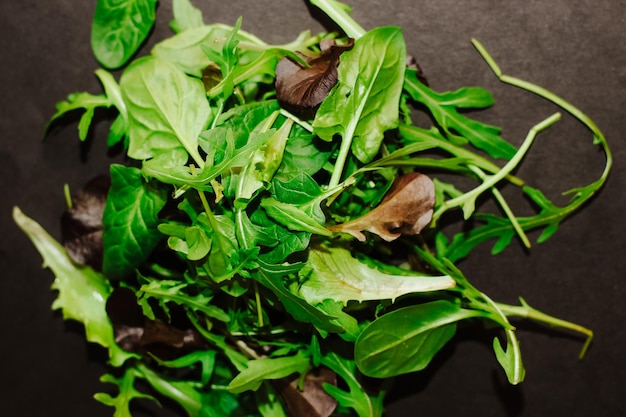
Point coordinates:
[(509, 397)]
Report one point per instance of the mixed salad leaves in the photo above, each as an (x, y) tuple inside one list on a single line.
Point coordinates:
[(275, 245)]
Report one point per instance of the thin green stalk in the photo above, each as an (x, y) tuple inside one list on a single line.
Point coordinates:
[(338, 13), (506, 169), (553, 98), (505, 207), (528, 312)]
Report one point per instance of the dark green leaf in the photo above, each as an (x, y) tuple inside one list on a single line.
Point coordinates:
[(459, 127), (364, 103), (405, 340), (130, 221)]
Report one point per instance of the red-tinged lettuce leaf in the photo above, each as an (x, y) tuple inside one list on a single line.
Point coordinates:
[(311, 400), (406, 209), (130, 221), (82, 291), (302, 89), (81, 225)]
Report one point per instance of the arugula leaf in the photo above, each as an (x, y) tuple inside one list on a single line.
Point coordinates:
[(357, 397), (364, 103), (165, 291), (259, 370), (187, 49), (443, 107), (130, 221), (127, 392), (166, 109), (119, 28)]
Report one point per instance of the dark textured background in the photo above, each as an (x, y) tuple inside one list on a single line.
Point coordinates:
[(574, 47)]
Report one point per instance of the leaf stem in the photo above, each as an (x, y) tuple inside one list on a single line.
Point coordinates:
[(338, 12), (495, 178), (505, 207), (528, 312)]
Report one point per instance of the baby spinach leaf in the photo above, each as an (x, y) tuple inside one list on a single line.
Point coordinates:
[(119, 28), (130, 221), (166, 109), (405, 340), (332, 273), (186, 16)]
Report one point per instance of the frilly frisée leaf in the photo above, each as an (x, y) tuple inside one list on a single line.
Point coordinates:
[(82, 291), (335, 274)]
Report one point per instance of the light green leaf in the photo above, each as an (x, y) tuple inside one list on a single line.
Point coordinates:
[(259, 370), (119, 28), (357, 396), (186, 16), (80, 101), (334, 274), (293, 217), (166, 109), (127, 392), (364, 103), (82, 291)]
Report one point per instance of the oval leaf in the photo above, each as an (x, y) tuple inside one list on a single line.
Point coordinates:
[(119, 28), (166, 108), (407, 339), (130, 221)]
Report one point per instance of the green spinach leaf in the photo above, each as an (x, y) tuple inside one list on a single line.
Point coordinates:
[(130, 221), (119, 28)]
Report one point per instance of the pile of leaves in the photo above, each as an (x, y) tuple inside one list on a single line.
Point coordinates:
[(274, 246)]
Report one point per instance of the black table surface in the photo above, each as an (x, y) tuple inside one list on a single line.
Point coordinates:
[(574, 47)]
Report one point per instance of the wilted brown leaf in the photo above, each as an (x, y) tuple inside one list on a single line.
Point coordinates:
[(81, 225), (312, 400), (406, 210), (136, 333)]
